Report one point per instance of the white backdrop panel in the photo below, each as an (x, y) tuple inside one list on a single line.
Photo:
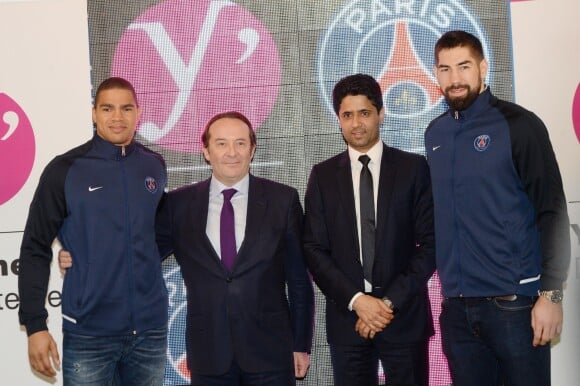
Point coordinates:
[(547, 73), (45, 103), (45, 69)]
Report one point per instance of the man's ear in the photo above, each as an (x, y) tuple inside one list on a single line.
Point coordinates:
[(205, 154), (483, 68)]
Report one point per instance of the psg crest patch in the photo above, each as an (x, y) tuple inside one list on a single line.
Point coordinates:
[(151, 184), (481, 142)]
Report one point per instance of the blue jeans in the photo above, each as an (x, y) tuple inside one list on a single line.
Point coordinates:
[(116, 360), (488, 342)]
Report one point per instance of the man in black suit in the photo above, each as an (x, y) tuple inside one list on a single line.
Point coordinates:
[(242, 329), (384, 315)]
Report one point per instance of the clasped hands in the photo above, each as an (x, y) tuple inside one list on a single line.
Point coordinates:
[(373, 316)]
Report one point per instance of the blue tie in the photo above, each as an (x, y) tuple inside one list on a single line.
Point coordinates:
[(228, 231)]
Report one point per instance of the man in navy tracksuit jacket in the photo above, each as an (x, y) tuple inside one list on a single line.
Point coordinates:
[(501, 226), (100, 199)]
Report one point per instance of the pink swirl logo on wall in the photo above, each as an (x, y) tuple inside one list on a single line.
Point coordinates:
[(191, 60), (576, 112), (17, 148)]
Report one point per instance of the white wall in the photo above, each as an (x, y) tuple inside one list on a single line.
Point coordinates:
[(44, 68), (546, 44)]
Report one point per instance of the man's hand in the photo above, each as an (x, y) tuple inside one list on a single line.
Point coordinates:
[(301, 364), (547, 320), (364, 330), (64, 261), (373, 313), (41, 350)]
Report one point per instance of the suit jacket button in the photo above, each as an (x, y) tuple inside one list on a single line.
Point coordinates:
[(228, 279)]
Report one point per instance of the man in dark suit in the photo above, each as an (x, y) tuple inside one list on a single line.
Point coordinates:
[(384, 314), (242, 329)]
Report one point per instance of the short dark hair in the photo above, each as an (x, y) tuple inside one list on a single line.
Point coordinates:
[(115, 83), (228, 114), (458, 38), (357, 84)]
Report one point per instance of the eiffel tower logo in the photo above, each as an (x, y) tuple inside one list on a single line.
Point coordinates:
[(405, 66)]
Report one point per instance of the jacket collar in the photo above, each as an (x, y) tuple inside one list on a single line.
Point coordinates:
[(111, 151), (481, 103)]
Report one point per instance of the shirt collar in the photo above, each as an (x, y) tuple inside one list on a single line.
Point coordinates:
[(375, 153), (216, 187)]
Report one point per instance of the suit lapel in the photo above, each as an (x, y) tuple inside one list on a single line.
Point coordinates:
[(346, 196), (198, 216), (255, 220), (386, 183)]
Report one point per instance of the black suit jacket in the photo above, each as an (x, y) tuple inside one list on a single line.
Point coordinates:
[(244, 314), (404, 250)]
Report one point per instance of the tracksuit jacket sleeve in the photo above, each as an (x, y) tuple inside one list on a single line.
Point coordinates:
[(536, 164), (46, 215)]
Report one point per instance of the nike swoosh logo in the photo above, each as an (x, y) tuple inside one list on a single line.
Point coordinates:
[(92, 189), (436, 147)]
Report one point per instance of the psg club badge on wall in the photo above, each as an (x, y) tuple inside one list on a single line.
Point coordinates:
[(393, 42)]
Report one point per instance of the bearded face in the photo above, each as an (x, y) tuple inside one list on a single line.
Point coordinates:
[(463, 101), (461, 76)]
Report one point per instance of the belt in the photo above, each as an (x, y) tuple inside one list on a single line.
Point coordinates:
[(507, 298)]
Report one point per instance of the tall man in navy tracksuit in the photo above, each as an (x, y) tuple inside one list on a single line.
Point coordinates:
[(100, 200), (501, 226)]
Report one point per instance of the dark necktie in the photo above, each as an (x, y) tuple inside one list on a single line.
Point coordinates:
[(367, 218), (228, 230)]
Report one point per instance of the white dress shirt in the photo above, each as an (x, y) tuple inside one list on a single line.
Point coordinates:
[(375, 153)]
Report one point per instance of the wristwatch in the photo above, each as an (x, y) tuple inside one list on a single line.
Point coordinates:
[(555, 296), (390, 304)]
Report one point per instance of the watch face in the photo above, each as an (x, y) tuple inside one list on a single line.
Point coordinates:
[(554, 296)]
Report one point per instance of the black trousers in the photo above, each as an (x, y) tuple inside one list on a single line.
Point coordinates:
[(403, 364)]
